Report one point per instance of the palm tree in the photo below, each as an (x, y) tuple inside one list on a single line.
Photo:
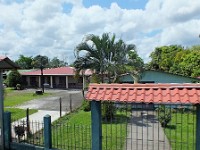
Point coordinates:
[(94, 47), (103, 54), (135, 65)]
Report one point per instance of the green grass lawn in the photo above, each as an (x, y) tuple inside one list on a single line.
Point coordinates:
[(17, 113), (181, 131), (74, 130), (13, 98)]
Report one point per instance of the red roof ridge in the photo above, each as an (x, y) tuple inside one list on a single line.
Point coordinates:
[(159, 85)]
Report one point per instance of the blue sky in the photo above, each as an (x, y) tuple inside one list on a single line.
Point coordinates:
[(125, 4), (55, 27)]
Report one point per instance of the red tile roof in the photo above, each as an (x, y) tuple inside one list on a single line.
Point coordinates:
[(147, 93), (56, 71)]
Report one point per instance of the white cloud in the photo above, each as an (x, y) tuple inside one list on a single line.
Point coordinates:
[(43, 27)]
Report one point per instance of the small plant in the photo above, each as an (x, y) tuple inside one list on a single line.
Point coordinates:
[(86, 105), (108, 110), (164, 115), (18, 86)]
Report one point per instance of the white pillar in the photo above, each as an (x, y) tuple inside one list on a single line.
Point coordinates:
[(39, 82), (67, 82), (51, 81)]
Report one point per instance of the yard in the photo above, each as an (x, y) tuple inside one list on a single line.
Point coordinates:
[(181, 131), (13, 98), (73, 131)]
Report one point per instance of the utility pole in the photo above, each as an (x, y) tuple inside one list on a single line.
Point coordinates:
[(42, 77)]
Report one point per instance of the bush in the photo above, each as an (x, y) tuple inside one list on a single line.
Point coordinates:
[(86, 105), (108, 110), (14, 78), (18, 87), (95, 78), (164, 115)]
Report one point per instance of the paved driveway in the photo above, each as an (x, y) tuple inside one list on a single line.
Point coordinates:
[(53, 102), (146, 133)]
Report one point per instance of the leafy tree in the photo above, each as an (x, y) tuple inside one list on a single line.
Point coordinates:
[(55, 62), (40, 61), (24, 62), (162, 58), (177, 60), (190, 66), (135, 65), (14, 78)]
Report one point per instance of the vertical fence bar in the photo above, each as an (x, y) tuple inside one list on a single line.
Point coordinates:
[(70, 102), (27, 122), (96, 125), (60, 101), (7, 129), (198, 127), (47, 132)]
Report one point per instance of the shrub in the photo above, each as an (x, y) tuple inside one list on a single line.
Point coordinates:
[(95, 78), (86, 105), (18, 86), (14, 78), (108, 110), (164, 115)]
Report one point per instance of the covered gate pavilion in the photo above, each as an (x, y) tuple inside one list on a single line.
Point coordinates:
[(140, 93)]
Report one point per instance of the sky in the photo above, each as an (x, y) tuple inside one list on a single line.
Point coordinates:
[(54, 27)]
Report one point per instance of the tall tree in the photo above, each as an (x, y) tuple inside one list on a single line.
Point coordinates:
[(94, 47), (135, 65), (177, 60), (24, 62), (103, 54), (55, 62), (162, 58), (40, 61)]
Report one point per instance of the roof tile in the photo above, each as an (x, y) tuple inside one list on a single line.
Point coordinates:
[(148, 93)]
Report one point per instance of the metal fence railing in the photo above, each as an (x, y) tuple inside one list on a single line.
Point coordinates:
[(125, 126), (71, 136), (139, 126), (31, 133)]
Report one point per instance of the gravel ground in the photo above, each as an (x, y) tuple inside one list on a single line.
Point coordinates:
[(53, 102)]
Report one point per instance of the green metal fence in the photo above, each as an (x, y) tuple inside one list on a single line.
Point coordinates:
[(125, 126), (138, 126), (71, 136)]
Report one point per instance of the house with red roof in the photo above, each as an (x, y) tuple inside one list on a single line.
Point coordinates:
[(62, 77)]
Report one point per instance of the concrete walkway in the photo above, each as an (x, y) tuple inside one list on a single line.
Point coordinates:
[(71, 99), (145, 133), (36, 120)]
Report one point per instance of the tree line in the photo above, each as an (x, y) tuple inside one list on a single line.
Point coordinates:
[(109, 55), (176, 59), (39, 61)]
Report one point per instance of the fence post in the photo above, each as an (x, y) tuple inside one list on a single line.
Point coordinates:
[(47, 132), (27, 122), (70, 102), (7, 129), (198, 127), (60, 101), (96, 125)]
